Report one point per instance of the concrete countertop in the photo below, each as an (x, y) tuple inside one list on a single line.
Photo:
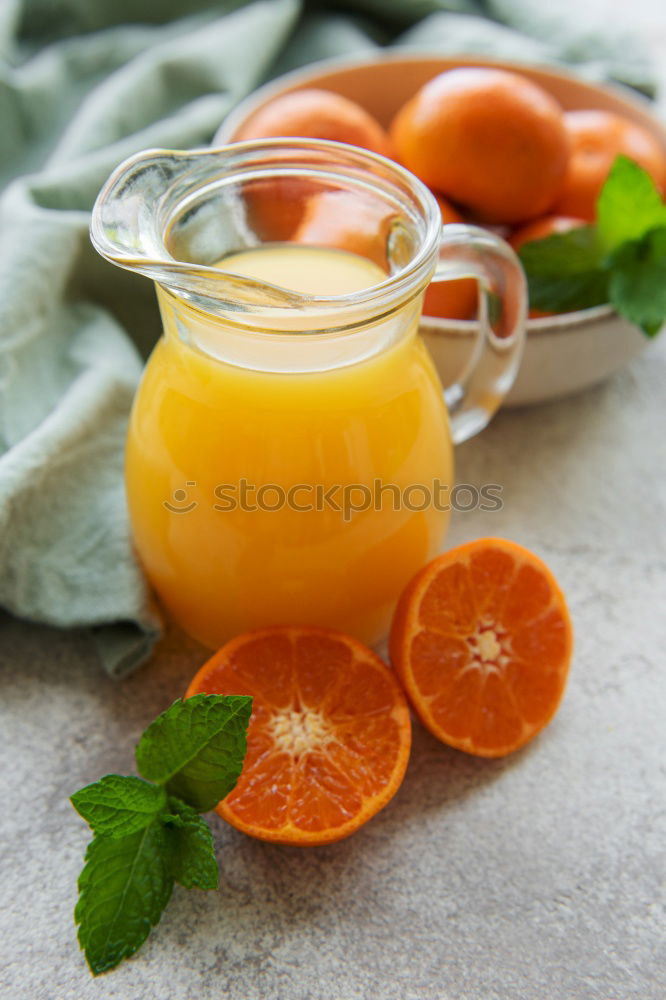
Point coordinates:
[(537, 877)]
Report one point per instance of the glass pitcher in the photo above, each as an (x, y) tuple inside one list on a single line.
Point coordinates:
[(289, 458)]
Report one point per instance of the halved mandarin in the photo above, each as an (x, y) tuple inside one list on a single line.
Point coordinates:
[(329, 736), (482, 641)]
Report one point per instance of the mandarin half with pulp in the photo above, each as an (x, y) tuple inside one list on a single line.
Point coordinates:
[(491, 140), (329, 735), (482, 641)]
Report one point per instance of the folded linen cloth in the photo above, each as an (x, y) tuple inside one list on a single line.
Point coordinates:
[(79, 92)]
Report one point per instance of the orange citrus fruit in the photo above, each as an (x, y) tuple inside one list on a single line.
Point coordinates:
[(482, 641), (596, 138), (275, 206), (329, 735), (347, 221), (451, 299), (540, 229), (316, 114), (491, 140)]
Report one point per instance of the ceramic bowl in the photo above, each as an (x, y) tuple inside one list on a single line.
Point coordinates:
[(564, 353)]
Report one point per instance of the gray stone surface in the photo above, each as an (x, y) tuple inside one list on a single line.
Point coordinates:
[(539, 877)]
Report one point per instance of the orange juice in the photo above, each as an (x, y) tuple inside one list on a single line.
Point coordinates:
[(249, 468)]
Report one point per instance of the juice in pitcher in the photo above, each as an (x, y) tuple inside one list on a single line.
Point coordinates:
[(290, 450), (305, 494)]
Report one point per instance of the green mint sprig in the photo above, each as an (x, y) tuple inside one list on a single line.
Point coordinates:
[(148, 834), (620, 259)]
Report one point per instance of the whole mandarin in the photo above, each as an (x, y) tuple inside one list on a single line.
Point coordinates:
[(449, 213), (491, 140), (276, 207), (540, 229), (596, 138), (316, 114), (455, 299), (346, 220)]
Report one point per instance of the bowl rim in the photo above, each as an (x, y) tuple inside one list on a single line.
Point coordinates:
[(303, 75), (622, 91), (558, 323)]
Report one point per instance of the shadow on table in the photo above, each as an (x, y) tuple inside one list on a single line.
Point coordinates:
[(533, 452)]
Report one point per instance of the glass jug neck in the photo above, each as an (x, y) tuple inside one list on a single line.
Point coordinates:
[(173, 215), (279, 350)]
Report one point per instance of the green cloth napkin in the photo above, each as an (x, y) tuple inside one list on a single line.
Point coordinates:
[(84, 84)]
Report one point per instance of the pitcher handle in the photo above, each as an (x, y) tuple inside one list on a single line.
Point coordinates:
[(472, 252)]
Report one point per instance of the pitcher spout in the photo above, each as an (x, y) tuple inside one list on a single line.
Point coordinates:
[(169, 215)]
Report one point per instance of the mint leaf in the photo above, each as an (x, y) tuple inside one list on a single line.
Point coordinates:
[(566, 271), (579, 291), (115, 806), (621, 260), (197, 747), (124, 886), (564, 254), (638, 281), (145, 840), (193, 861), (629, 205)]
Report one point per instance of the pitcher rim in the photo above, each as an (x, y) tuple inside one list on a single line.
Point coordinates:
[(396, 289)]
